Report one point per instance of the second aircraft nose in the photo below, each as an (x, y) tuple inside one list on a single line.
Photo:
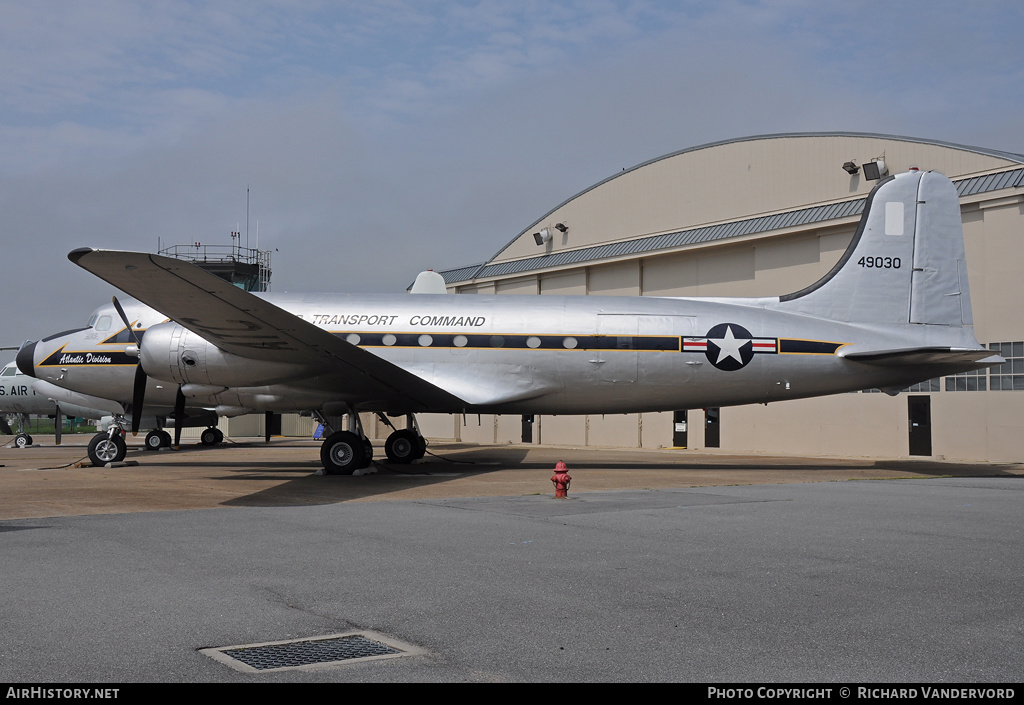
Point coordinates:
[(26, 358)]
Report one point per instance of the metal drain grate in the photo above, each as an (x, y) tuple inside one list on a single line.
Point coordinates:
[(308, 653)]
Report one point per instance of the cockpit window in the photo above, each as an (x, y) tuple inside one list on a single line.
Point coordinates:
[(103, 323), (92, 321), (9, 371)]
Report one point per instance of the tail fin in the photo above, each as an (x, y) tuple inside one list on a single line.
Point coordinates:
[(905, 263)]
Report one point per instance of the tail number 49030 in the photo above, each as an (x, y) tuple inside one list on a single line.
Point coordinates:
[(879, 262)]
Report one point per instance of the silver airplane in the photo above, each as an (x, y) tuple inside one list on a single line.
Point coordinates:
[(105, 380), (895, 310), (23, 395)]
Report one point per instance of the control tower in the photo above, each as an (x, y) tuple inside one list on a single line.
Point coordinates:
[(246, 268)]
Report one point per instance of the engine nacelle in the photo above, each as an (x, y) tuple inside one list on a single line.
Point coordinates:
[(175, 354)]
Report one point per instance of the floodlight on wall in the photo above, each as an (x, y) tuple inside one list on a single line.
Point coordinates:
[(850, 168), (875, 169), (541, 237), (561, 227)]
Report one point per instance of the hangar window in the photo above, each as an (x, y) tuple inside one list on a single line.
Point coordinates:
[(929, 385), (1010, 374), (973, 381)]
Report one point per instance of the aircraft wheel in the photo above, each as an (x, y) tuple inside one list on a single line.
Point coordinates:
[(219, 434), (342, 453), (165, 439), (421, 447), (402, 446), (103, 449), (208, 437), (22, 440), (154, 440)]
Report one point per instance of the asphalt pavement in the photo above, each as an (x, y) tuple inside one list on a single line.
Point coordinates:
[(661, 566)]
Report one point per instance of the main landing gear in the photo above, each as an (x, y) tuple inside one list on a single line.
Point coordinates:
[(405, 445), (211, 436), (158, 438), (344, 452)]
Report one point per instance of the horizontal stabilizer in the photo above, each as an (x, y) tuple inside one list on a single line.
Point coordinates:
[(972, 358)]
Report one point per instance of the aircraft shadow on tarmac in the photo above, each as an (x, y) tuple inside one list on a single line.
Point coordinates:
[(252, 473), (446, 462)]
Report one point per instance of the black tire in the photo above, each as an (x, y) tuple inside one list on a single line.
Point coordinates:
[(165, 438), (219, 434), (208, 437), (421, 447), (342, 453), (105, 449), (154, 440), (401, 446), (22, 440)]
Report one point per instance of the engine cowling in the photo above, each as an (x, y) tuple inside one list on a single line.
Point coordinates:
[(173, 353)]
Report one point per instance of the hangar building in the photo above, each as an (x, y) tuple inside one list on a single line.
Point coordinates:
[(765, 216)]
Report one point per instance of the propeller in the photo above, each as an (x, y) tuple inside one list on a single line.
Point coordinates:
[(58, 423), (179, 417), (139, 387)]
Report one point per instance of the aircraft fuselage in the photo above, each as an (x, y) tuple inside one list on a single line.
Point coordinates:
[(552, 354)]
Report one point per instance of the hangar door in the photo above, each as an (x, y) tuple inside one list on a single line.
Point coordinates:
[(919, 413)]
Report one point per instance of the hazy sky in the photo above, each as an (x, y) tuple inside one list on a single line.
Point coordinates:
[(381, 138)]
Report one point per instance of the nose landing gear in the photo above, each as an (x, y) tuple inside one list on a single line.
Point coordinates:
[(108, 447)]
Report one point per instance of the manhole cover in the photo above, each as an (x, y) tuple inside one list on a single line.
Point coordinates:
[(311, 652)]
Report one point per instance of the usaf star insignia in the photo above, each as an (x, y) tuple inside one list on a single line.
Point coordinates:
[(729, 346)]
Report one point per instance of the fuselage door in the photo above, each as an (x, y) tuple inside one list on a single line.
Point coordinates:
[(615, 356)]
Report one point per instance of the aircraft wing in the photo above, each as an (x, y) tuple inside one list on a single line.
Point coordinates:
[(924, 356), (245, 325)]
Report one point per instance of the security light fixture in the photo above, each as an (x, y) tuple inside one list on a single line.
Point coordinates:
[(561, 227), (541, 237), (875, 169), (850, 168)]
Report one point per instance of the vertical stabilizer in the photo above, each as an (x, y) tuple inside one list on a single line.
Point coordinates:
[(905, 263)]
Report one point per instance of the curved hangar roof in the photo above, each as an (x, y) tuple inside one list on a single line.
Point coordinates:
[(732, 189)]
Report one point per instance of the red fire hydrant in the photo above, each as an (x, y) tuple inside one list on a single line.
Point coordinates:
[(561, 480)]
